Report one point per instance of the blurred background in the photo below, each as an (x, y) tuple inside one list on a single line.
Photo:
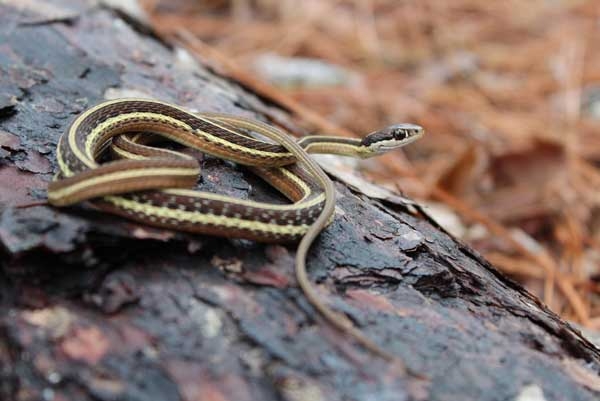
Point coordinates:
[(508, 92)]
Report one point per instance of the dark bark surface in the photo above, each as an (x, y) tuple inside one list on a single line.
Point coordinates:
[(96, 308)]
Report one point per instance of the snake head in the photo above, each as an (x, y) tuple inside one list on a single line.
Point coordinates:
[(392, 137)]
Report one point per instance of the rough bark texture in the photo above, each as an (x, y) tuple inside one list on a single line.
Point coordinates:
[(96, 308)]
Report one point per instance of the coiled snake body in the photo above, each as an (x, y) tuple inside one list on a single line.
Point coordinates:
[(152, 185)]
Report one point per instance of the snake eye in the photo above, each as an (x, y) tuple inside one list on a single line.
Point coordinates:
[(399, 134)]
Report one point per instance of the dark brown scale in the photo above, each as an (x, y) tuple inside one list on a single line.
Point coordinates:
[(207, 229), (141, 106), (232, 210), (383, 135), (305, 215), (197, 124)]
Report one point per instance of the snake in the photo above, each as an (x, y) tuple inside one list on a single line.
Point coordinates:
[(110, 157)]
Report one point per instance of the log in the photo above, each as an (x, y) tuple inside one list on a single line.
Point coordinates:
[(98, 308)]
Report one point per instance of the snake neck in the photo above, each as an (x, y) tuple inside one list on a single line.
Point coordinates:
[(351, 147)]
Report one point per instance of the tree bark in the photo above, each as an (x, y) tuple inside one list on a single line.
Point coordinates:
[(94, 307)]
